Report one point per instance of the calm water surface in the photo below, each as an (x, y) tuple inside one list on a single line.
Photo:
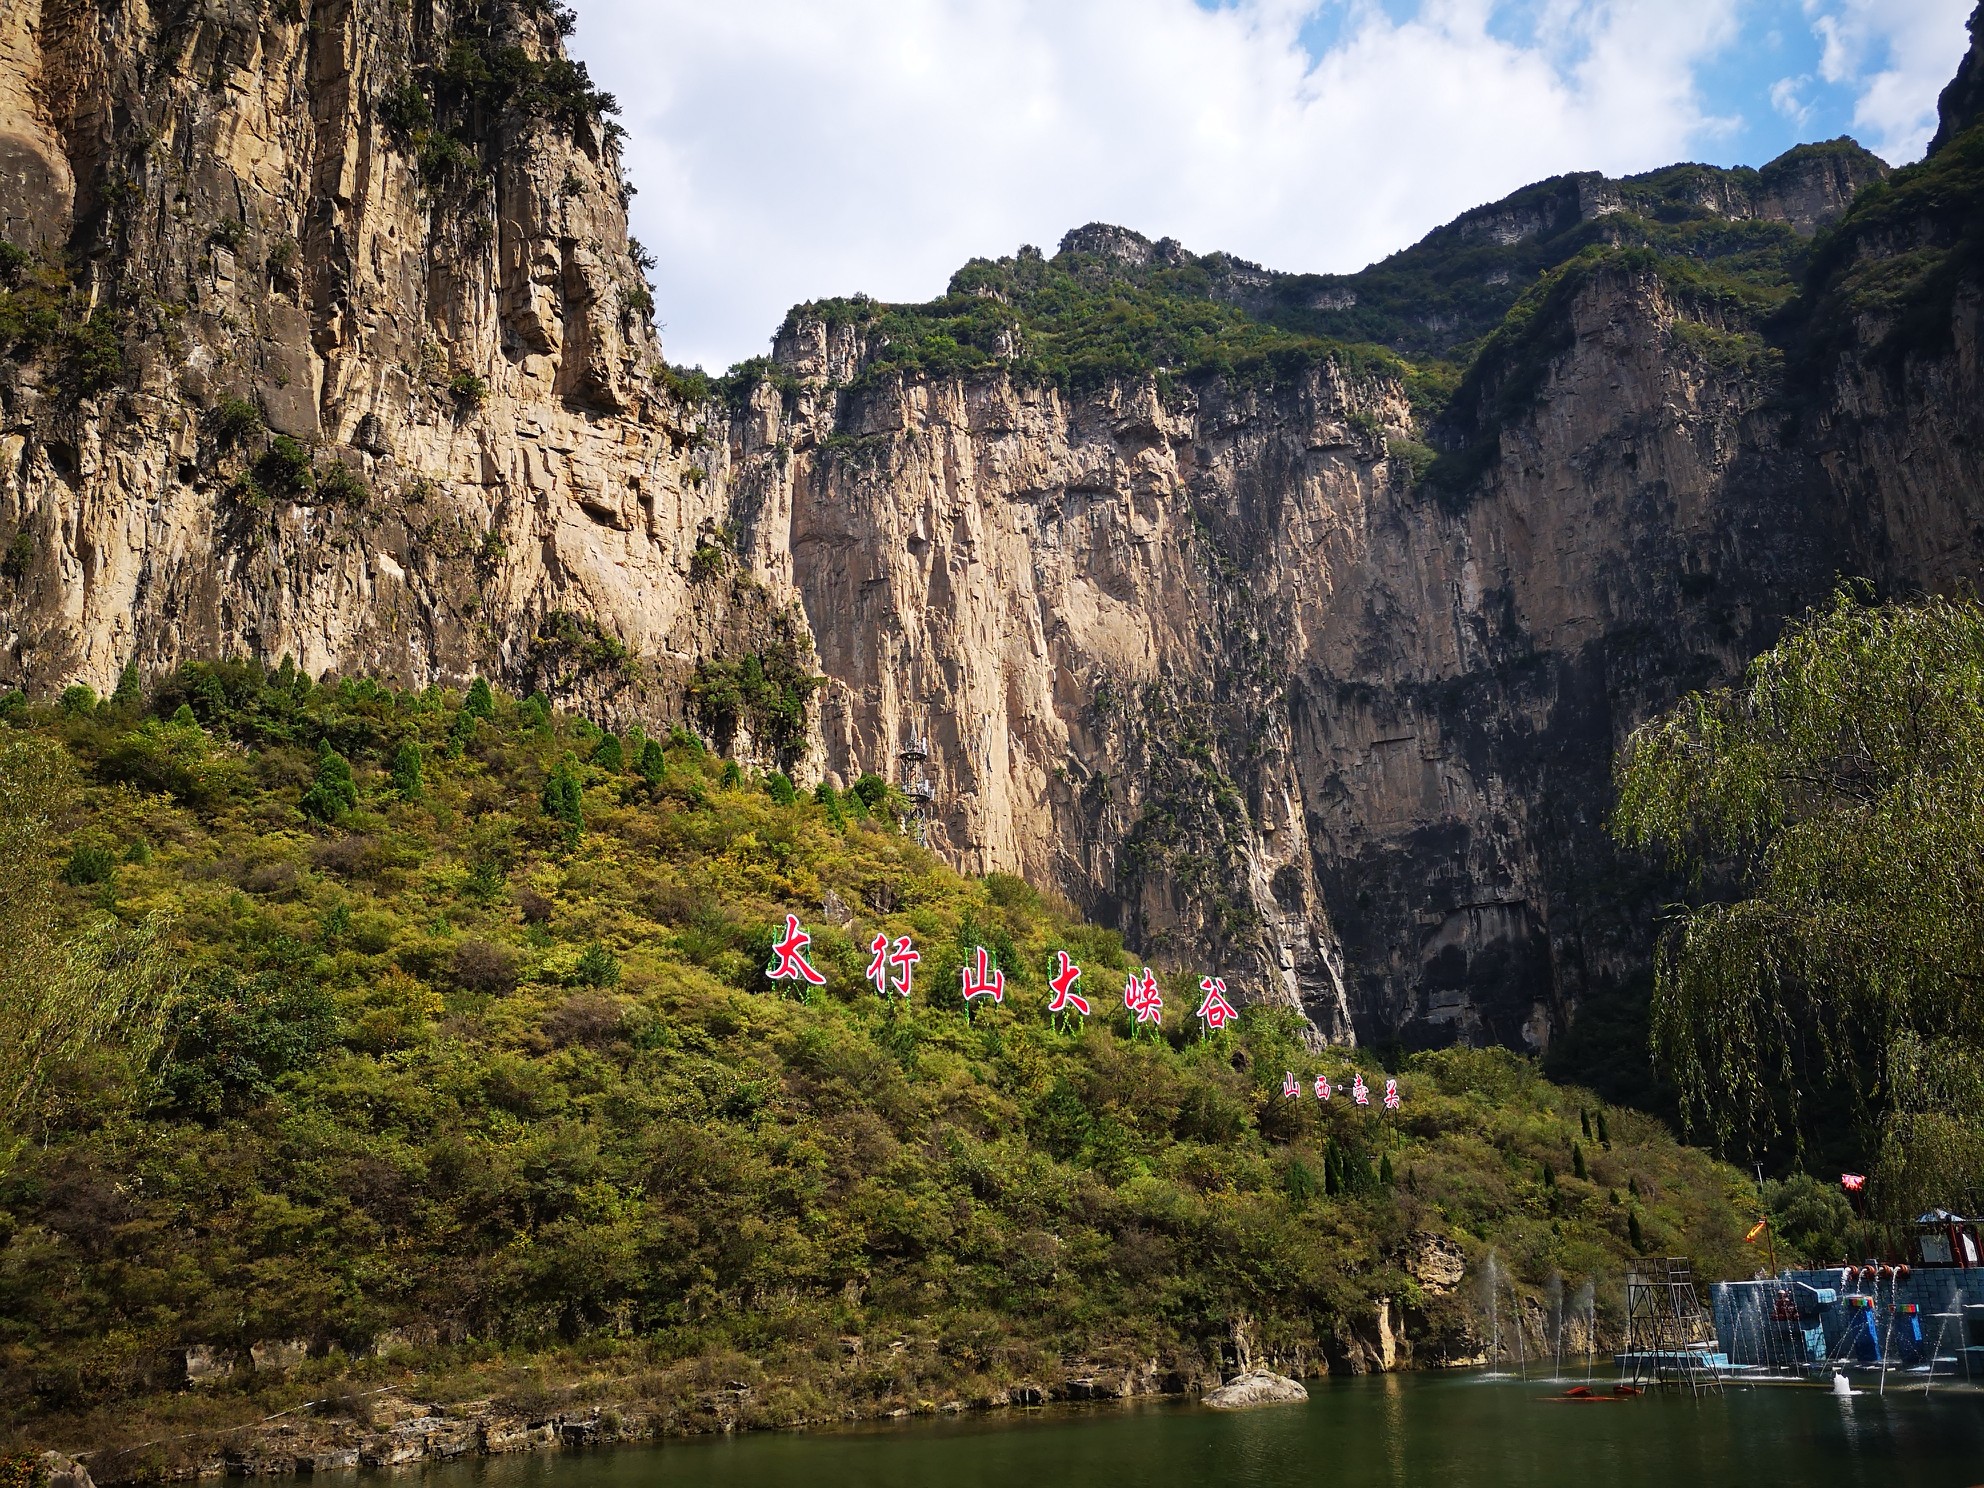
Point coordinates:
[(1454, 1431)]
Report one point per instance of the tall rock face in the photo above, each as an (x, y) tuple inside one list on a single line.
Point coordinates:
[(1218, 663), (392, 234), (1287, 622)]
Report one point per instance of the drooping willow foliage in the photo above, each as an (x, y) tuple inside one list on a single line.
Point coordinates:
[(1840, 791), (64, 989)]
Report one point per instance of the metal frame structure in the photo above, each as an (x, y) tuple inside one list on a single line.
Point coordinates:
[(1670, 1340), (916, 785)]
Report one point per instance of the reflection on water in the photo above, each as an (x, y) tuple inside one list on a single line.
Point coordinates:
[(1454, 1431)]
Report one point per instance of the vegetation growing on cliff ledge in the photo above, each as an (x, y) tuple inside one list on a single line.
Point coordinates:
[(1080, 320), (487, 1073)]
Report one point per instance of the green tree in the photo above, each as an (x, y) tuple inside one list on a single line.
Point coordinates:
[(563, 801), (130, 693), (825, 795), (653, 762), (598, 967), (63, 991), (481, 701), (235, 1036), (333, 792), (408, 774), (461, 733), (1830, 811), (79, 699), (610, 755)]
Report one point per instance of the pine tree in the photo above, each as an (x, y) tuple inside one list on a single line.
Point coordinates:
[(610, 755), (408, 778), (1634, 1233), (1577, 1161), (598, 967), (130, 693), (654, 762), (562, 799), (480, 702), (461, 733), (334, 792), (1584, 1123), (1604, 1136)]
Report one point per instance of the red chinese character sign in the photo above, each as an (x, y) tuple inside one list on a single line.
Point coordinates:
[(1360, 1092), (982, 979), (1141, 997), (1291, 1088), (789, 963), (1216, 1012), (1062, 984), (899, 959), (1391, 1095), (1323, 1091), (878, 967)]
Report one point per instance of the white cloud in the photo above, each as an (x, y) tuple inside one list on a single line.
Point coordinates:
[(1895, 55), (791, 149), (1785, 97)]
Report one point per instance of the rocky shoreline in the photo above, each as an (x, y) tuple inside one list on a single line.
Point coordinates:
[(405, 1432)]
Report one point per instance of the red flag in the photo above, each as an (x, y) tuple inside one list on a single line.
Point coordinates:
[(1755, 1230), (1853, 1182)]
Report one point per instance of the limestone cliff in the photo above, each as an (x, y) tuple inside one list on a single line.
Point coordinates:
[(394, 235), (1300, 661)]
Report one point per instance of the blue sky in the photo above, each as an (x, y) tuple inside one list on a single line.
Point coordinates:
[(792, 149)]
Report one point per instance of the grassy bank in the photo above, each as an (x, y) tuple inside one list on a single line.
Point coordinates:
[(473, 1086)]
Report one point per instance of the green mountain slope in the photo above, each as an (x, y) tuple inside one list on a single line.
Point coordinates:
[(475, 1084), (1113, 304)]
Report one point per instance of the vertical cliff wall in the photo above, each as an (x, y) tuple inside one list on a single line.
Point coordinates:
[(323, 337), (392, 234), (1222, 666)]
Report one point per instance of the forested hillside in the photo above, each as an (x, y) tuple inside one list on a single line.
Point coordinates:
[(467, 1080)]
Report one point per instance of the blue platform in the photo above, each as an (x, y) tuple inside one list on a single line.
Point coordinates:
[(1930, 1320)]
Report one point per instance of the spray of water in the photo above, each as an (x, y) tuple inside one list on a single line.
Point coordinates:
[(1522, 1343), (1491, 1288), (1556, 1294), (1587, 1307)]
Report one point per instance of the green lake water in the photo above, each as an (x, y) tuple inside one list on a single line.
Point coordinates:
[(1451, 1430)]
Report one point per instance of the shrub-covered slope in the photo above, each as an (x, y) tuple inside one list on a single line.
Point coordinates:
[(1112, 304), (474, 1066)]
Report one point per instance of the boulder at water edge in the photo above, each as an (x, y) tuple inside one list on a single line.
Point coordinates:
[(1257, 1387)]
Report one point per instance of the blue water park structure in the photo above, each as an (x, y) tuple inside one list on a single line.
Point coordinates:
[(1920, 1319)]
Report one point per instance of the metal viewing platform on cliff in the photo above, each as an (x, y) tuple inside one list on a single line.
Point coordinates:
[(916, 785)]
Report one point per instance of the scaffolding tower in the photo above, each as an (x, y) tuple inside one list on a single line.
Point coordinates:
[(1670, 1340), (916, 785)]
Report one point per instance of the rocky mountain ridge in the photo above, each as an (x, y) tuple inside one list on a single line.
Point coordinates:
[(1292, 633)]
